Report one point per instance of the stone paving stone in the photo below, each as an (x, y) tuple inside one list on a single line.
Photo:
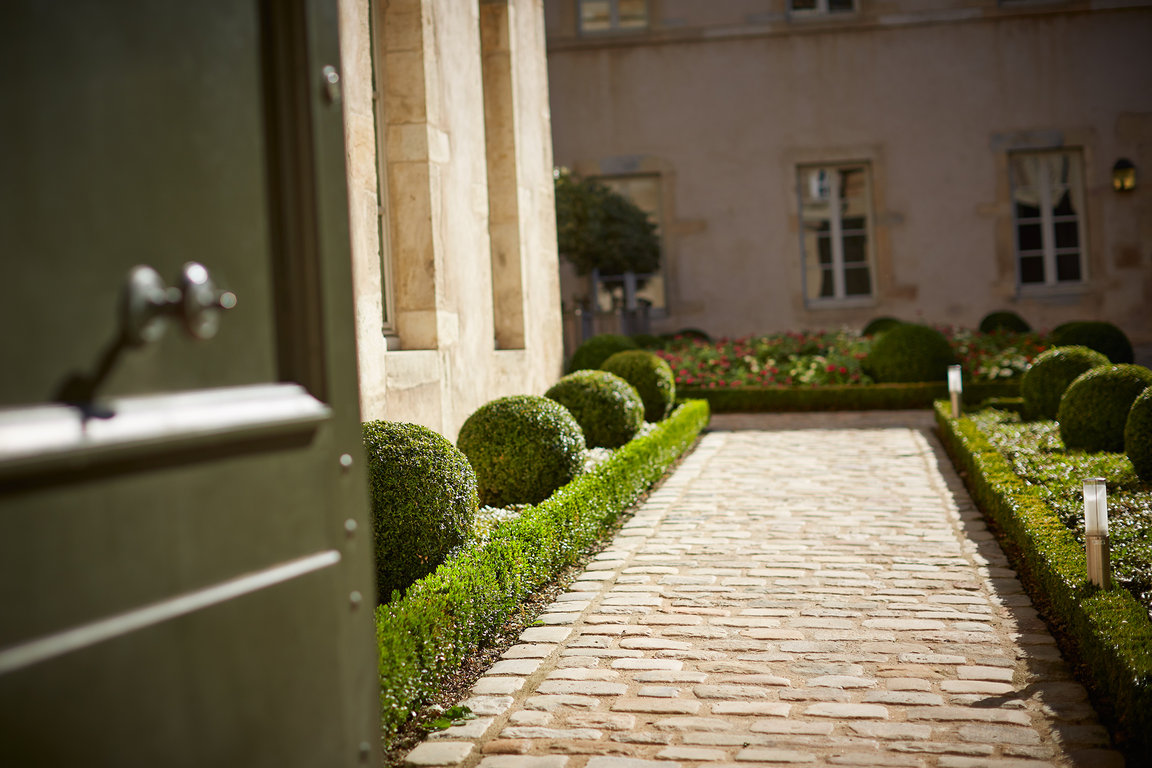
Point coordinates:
[(804, 588)]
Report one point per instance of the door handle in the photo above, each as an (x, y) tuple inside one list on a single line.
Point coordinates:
[(147, 303)]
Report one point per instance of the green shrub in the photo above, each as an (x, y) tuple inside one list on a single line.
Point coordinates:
[(909, 352), (651, 376), (647, 341), (844, 397), (1095, 407), (1138, 436), (1004, 321), (1109, 629), (693, 333), (423, 494), (523, 447), (590, 354), (879, 325), (607, 408), (1105, 338), (1046, 379)]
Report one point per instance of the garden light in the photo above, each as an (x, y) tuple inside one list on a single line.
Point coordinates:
[(955, 388), (1096, 531)]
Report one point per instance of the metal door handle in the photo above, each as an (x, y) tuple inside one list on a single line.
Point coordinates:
[(147, 303)]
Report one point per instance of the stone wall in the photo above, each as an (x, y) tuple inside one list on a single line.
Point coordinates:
[(452, 214)]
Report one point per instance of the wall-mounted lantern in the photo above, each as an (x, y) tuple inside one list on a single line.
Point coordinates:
[(1096, 547), (1123, 175), (955, 389)]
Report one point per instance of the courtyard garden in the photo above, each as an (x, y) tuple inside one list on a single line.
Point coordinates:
[(469, 537)]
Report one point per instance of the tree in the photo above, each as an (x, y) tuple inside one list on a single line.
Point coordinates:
[(598, 228)]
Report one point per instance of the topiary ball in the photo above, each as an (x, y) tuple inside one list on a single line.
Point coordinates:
[(1103, 337), (879, 325), (651, 376), (1004, 321), (590, 354), (1094, 409), (607, 408), (693, 333), (423, 494), (523, 447), (1138, 435), (647, 341), (1046, 379), (910, 352)]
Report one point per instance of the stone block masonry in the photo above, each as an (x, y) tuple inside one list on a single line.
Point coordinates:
[(805, 589)]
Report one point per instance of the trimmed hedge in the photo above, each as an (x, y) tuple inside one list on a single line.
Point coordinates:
[(878, 325), (607, 408), (1094, 408), (523, 447), (908, 353), (432, 630), (1138, 436), (1004, 320), (1103, 337), (1110, 630), (848, 397), (652, 377), (423, 494), (597, 349), (1049, 375)]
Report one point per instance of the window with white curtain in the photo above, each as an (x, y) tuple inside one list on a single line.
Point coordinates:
[(1048, 216)]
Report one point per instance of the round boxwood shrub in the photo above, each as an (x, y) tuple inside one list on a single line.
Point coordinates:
[(1049, 375), (1094, 409), (607, 408), (879, 325), (910, 352), (1004, 321), (590, 354), (651, 376), (1138, 435), (694, 334), (423, 494), (1100, 336), (647, 341), (523, 447)]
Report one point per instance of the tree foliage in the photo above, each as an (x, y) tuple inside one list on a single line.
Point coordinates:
[(598, 228)]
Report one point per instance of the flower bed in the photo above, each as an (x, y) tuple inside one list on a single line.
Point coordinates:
[(428, 633), (831, 358), (1028, 486)]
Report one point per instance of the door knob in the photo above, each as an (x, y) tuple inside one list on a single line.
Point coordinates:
[(147, 303), (201, 301)]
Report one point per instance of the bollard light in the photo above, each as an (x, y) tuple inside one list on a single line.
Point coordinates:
[(1096, 549), (955, 389)]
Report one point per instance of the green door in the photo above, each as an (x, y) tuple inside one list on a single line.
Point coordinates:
[(185, 554)]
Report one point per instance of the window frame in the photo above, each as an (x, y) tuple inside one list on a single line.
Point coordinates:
[(614, 27), (821, 9), (841, 297), (1049, 250)]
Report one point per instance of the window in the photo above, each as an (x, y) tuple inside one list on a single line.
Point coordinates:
[(835, 213), (1047, 212), (644, 191), (612, 15), (822, 6), (388, 319)]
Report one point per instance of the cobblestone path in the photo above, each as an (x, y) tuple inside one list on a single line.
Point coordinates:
[(818, 590)]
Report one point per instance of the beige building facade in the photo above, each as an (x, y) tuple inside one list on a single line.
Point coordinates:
[(449, 160), (817, 163)]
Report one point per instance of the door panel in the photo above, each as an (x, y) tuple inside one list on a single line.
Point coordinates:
[(139, 139), (185, 550)]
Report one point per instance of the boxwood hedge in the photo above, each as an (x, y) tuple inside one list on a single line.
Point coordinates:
[(847, 397), (1109, 630), (431, 630)]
